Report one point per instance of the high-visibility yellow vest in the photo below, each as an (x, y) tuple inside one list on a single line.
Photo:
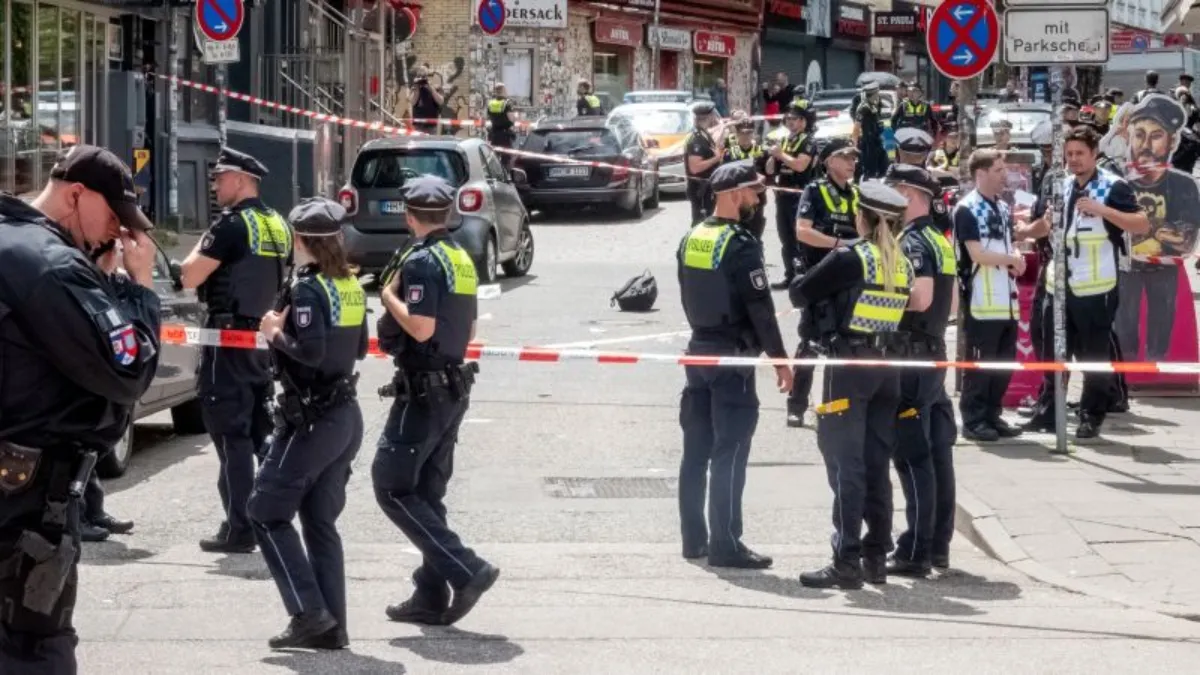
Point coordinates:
[(1092, 259), (878, 310)]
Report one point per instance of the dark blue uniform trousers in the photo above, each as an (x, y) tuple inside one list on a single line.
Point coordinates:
[(305, 472), (718, 413), (234, 403), (925, 431), (412, 468), (856, 433), (785, 226)]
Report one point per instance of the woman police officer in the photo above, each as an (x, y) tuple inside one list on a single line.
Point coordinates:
[(857, 295), (316, 334)]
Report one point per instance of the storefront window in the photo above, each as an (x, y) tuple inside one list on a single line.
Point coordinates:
[(705, 73), (46, 117), (517, 74), (19, 116), (611, 74), (69, 110)]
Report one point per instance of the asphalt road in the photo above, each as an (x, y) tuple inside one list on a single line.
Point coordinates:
[(565, 480)]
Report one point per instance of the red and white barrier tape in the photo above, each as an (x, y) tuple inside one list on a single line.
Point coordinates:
[(175, 334)]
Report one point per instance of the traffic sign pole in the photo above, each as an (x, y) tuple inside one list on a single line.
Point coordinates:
[(1058, 80)]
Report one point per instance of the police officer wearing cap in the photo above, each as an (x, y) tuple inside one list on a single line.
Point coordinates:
[(857, 295), (744, 147), (79, 339), (826, 218), (316, 333), (587, 103), (792, 163), (431, 308), (704, 150), (239, 267), (868, 133), (913, 146), (1099, 207), (501, 120), (915, 113), (728, 305), (925, 426)]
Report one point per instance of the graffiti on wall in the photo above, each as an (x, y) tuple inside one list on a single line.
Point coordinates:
[(741, 75), (403, 72), (542, 67)]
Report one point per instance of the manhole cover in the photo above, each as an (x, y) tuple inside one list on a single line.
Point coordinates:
[(612, 488)]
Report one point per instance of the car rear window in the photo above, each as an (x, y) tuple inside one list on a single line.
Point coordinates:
[(573, 142), (390, 168)]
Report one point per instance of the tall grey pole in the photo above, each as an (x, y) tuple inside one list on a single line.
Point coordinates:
[(173, 117), (654, 48), (222, 105), (1057, 234)]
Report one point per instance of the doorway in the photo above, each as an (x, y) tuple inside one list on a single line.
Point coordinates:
[(668, 70)]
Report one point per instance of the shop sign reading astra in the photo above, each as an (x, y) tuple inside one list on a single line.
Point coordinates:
[(715, 44), (616, 32), (853, 20)]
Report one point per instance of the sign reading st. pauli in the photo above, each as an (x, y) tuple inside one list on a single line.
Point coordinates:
[(1156, 318)]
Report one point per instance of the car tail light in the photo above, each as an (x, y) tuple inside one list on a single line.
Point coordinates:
[(349, 200), (620, 170), (470, 200)]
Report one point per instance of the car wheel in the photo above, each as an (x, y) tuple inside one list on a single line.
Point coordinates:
[(487, 263), (115, 462), (638, 209), (523, 260), (188, 418)]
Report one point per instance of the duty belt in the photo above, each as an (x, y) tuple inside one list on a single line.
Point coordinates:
[(859, 345), (301, 407), (418, 385)]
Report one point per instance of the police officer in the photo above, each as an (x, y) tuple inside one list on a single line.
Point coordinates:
[(925, 426), (431, 310), (988, 262), (704, 150), (792, 163), (913, 146), (80, 347), (501, 120), (239, 266), (858, 294), (1099, 208), (825, 219), (915, 113), (317, 332), (729, 308), (588, 103), (946, 158), (868, 133), (745, 147)]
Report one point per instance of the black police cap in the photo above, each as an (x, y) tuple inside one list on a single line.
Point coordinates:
[(703, 108), (914, 140), (838, 146), (884, 200), (234, 160), (1162, 109), (317, 217), (428, 193), (735, 176), (912, 176), (100, 171)]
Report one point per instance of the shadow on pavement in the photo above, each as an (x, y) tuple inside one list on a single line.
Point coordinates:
[(156, 448), (447, 644), (1155, 488), (510, 284), (112, 552), (249, 566), (1036, 452), (333, 663), (1139, 454), (764, 582), (959, 584), (920, 599)]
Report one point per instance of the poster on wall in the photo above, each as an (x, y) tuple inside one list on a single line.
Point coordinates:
[(1156, 318)]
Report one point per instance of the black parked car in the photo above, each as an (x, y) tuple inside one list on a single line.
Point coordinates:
[(552, 185)]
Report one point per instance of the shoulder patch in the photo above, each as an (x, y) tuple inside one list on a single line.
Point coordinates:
[(415, 294), (759, 279), (206, 242), (915, 259), (303, 317), (124, 344), (805, 206)]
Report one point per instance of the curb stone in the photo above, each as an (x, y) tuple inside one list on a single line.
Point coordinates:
[(976, 521)]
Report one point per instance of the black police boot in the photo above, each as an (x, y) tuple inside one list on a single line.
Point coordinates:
[(1005, 430), (940, 561), (224, 543), (466, 597), (875, 569), (112, 524), (1119, 406), (744, 559), (1039, 424), (306, 630), (981, 432), (92, 532), (1087, 428), (836, 575), (420, 608), (917, 569), (795, 416), (695, 552), (332, 640)]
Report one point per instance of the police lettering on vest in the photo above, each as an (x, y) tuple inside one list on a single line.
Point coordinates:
[(438, 280), (1092, 257), (246, 287), (993, 291)]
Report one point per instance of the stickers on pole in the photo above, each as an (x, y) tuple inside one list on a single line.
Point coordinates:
[(963, 37)]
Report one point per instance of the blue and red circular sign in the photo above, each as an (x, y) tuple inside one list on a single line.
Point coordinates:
[(220, 20), (491, 16), (963, 37)]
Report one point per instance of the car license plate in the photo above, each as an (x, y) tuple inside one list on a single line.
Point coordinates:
[(391, 207), (570, 171)]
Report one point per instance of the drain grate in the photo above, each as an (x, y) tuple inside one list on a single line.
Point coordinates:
[(612, 488)]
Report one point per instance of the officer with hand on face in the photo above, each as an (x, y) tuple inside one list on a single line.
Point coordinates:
[(317, 333), (431, 311), (744, 147), (793, 164), (729, 308), (858, 295), (925, 425), (704, 150), (80, 343), (239, 266), (825, 219)]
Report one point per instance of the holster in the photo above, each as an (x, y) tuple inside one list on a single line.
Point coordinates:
[(299, 408)]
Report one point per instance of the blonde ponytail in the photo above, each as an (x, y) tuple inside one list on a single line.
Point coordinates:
[(889, 246)]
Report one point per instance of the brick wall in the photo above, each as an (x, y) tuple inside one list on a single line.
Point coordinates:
[(440, 45)]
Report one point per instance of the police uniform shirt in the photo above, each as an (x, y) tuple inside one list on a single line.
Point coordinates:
[(439, 281), (911, 115), (499, 118), (869, 116), (588, 104), (928, 260), (840, 271), (812, 207), (327, 318), (784, 175), (226, 240), (699, 144)]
